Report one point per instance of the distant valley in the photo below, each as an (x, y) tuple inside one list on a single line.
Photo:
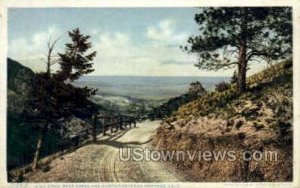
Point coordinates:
[(140, 94)]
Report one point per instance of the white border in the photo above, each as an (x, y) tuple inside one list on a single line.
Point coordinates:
[(153, 3)]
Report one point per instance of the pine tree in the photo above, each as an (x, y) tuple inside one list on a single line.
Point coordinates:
[(52, 100), (196, 89), (75, 62), (230, 37)]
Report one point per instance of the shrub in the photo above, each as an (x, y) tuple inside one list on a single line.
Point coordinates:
[(234, 78), (196, 89), (222, 86)]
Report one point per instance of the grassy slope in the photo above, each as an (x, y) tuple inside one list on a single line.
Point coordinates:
[(260, 119), (277, 76)]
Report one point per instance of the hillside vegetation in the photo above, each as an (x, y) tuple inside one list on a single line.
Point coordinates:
[(166, 109), (260, 119), (19, 80), (21, 146)]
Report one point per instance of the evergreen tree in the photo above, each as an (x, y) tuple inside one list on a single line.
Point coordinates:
[(196, 89), (75, 62), (236, 36), (52, 100)]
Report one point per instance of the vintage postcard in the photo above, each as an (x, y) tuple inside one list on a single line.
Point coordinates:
[(150, 94)]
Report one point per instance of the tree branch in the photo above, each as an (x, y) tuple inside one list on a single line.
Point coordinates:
[(256, 53)]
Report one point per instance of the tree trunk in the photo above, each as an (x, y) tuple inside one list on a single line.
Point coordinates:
[(49, 63), (39, 145), (242, 75), (95, 129), (242, 61), (48, 69)]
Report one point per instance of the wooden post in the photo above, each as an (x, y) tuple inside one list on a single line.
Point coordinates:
[(117, 124), (104, 127), (112, 125), (120, 122), (123, 123), (94, 128)]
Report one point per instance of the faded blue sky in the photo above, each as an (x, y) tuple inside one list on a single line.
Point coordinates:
[(129, 41)]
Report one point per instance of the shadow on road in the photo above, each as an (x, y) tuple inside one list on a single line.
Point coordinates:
[(111, 138), (118, 144), (117, 135)]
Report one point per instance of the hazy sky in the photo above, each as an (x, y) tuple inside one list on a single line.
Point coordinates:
[(128, 41)]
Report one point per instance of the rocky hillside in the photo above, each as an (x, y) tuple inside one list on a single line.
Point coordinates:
[(18, 76), (19, 80), (258, 120)]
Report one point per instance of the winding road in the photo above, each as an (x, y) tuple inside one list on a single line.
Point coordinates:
[(99, 162)]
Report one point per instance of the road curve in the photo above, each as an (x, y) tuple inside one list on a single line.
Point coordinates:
[(100, 162)]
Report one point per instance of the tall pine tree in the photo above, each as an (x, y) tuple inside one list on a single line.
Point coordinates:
[(238, 36), (52, 100)]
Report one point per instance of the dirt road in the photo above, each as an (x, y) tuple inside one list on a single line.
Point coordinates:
[(100, 162)]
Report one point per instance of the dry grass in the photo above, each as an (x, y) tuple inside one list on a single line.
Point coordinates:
[(260, 119)]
